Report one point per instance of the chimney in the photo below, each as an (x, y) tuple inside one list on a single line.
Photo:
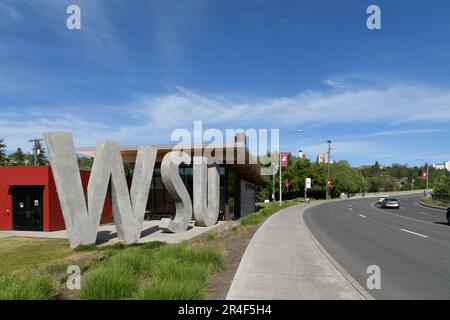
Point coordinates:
[(240, 139)]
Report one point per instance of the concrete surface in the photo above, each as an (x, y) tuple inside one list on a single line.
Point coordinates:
[(283, 261), (206, 192), (175, 187), (411, 245), (107, 234), (82, 219)]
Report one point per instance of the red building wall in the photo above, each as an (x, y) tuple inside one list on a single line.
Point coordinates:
[(39, 176)]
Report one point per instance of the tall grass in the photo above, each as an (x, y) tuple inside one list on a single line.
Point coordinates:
[(110, 282), (154, 271), (14, 287), (261, 215)]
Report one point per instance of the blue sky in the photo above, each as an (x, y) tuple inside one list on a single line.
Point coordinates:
[(139, 69)]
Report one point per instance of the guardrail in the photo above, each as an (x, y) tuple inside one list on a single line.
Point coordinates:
[(441, 198), (379, 194)]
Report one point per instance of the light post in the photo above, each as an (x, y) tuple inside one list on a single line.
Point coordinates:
[(279, 163), (329, 169)]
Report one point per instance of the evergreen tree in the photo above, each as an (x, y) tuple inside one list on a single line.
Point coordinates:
[(18, 158), (3, 157)]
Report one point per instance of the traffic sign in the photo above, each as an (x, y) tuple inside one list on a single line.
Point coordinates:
[(308, 183)]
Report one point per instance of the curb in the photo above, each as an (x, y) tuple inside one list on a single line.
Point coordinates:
[(355, 284), (431, 206)]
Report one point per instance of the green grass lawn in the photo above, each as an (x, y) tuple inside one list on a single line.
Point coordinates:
[(22, 254), (33, 268), (154, 271)]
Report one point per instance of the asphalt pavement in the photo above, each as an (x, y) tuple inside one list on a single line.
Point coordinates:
[(411, 245)]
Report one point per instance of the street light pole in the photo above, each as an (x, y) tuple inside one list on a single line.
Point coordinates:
[(279, 162), (329, 168)]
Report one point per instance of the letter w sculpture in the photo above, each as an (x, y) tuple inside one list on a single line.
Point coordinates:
[(82, 215)]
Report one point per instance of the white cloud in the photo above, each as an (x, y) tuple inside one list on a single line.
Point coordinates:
[(151, 118), (393, 105), (336, 83), (9, 11)]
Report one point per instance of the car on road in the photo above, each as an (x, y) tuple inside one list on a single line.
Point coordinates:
[(380, 199), (448, 215), (390, 203)]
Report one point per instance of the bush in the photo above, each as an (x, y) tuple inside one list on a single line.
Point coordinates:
[(19, 288)]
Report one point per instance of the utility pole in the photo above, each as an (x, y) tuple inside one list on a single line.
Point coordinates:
[(329, 168), (36, 148)]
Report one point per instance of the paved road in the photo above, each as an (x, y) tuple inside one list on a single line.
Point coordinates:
[(410, 245)]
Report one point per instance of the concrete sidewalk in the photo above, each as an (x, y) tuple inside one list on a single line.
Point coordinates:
[(284, 261), (107, 233)]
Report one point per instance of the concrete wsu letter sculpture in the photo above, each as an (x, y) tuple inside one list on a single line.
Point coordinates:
[(82, 215)]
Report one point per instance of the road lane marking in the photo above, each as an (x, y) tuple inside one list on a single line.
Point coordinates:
[(407, 218), (415, 233), (362, 216), (425, 213)]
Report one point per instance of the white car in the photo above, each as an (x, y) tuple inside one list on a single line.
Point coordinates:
[(380, 199), (390, 203)]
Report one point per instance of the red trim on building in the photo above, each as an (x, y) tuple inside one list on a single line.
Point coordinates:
[(39, 176)]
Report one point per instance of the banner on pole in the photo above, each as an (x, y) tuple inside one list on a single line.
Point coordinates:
[(284, 159)]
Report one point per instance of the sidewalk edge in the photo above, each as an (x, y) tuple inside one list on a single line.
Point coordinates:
[(355, 284)]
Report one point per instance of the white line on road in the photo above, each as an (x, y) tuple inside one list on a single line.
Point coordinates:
[(421, 212), (417, 234), (362, 216)]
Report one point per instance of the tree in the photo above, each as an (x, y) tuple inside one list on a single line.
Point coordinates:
[(375, 170), (3, 156), (442, 187), (346, 179), (85, 163), (18, 158)]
